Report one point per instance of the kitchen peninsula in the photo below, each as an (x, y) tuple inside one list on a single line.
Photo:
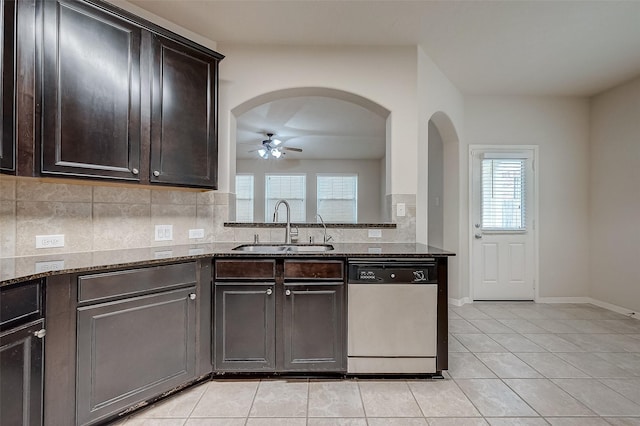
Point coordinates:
[(126, 327)]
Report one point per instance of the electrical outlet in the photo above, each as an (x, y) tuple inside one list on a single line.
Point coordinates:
[(164, 232), (401, 209), (375, 233), (196, 233), (49, 241)]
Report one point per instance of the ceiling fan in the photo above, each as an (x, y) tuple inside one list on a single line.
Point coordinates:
[(273, 148)]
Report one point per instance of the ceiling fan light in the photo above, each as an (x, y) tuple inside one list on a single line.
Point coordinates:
[(263, 153), (276, 152), (276, 142)]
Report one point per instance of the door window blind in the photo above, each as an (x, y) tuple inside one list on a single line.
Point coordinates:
[(291, 188), (338, 198), (503, 194), (244, 198)]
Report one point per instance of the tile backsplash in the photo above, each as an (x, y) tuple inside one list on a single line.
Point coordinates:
[(95, 217)]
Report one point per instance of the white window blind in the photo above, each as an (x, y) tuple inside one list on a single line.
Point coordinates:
[(338, 198), (503, 194), (244, 198), (285, 187)]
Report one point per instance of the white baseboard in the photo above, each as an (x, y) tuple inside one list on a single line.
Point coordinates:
[(459, 302), (563, 300), (615, 308)]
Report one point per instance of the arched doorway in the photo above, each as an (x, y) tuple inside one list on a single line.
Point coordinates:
[(443, 207)]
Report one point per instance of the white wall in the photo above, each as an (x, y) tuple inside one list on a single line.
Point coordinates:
[(440, 100), (435, 210), (560, 127), (369, 178), (614, 205), (384, 75)]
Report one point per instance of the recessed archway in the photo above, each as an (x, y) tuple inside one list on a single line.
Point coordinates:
[(443, 207), (349, 130)]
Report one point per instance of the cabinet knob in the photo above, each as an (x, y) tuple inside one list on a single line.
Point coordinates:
[(288, 292), (40, 333), (192, 296), (269, 292), (135, 171), (156, 173)]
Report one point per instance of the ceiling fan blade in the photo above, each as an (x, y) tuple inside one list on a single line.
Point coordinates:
[(288, 148)]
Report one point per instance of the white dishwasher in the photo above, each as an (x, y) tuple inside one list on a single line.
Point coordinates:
[(392, 321)]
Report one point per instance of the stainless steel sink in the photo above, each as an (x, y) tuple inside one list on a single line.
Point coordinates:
[(284, 248)]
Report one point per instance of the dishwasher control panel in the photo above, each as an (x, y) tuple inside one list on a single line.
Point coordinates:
[(392, 272)]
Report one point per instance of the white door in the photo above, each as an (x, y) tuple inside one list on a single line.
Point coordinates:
[(503, 243)]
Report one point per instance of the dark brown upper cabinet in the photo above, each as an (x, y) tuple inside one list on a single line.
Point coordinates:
[(183, 115), (7, 85), (91, 93), (125, 99)]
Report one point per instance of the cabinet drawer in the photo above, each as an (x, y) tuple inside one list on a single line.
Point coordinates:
[(314, 269), (126, 283), (20, 303), (239, 269)]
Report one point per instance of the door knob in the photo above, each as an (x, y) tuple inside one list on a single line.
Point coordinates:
[(156, 173), (135, 171), (288, 292), (269, 291), (192, 296), (478, 236)]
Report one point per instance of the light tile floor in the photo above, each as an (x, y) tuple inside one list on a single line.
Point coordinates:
[(510, 364)]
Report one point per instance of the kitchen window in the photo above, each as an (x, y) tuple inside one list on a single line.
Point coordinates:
[(291, 188), (244, 198), (337, 197)]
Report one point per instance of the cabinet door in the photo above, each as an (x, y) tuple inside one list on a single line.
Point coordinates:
[(184, 148), (313, 328), (133, 349), (21, 376), (245, 327), (91, 92), (7, 75)]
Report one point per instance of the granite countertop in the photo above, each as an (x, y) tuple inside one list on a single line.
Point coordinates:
[(16, 269)]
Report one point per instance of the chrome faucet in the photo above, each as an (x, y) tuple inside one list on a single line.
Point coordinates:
[(287, 230), (325, 239)]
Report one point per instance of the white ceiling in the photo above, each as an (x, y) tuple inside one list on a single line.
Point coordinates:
[(485, 47), (528, 47)]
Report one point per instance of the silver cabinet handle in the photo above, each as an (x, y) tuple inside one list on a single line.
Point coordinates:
[(40, 333), (192, 296), (135, 171), (269, 292), (156, 173), (288, 292)]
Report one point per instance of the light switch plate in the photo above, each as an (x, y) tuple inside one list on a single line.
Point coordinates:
[(401, 209), (164, 232), (49, 241)]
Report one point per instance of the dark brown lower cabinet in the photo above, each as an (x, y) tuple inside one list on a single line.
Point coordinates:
[(313, 328), (21, 353), (245, 327), (133, 349), (279, 316)]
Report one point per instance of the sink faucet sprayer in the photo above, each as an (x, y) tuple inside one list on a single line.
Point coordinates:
[(287, 230), (326, 238)]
